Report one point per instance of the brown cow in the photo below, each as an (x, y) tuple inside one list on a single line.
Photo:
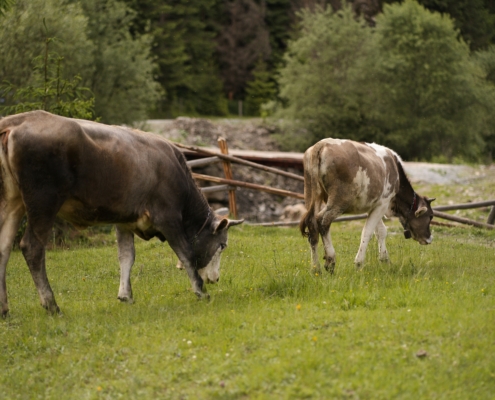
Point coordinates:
[(89, 173), (342, 176)]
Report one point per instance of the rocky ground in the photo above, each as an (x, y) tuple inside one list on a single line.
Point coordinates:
[(253, 134)]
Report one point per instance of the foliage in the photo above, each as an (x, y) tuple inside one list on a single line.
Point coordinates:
[(27, 25), (95, 44), (409, 83), (183, 44), (49, 91), (321, 77), (122, 78), (243, 40), (271, 329), (474, 19), (261, 89), (5, 6), (426, 90)]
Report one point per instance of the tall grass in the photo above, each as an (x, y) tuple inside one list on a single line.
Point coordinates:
[(422, 326)]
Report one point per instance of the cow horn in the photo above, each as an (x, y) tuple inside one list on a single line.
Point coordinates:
[(430, 200), (233, 222), (420, 211)]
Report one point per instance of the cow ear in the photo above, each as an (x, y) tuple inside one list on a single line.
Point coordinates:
[(220, 224), (420, 211)]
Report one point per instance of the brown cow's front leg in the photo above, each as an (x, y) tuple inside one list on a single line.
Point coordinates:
[(33, 250), (127, 255)]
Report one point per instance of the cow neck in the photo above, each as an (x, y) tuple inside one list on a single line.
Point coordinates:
[(197, 212), (406, 201)]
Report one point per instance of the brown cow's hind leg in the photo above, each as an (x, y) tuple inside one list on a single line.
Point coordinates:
[(33, 249), (8, 230)]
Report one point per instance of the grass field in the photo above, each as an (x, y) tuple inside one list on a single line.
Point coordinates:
[(420, 327)]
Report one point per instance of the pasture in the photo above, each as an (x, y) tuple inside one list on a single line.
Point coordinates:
[(422, 326)]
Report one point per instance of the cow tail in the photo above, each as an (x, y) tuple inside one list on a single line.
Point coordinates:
[(309, 186)]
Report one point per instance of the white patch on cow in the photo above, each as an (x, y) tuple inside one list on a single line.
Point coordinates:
[(362, 182), (211, 273)]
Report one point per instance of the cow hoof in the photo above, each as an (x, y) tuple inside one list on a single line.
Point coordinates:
[(126, 299), (53, 309), (359, 265), (203, 296), (5, 314), (330, 267)]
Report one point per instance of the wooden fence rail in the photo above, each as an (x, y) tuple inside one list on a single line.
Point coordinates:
[(230, 184), (238, 160), (247, 185)]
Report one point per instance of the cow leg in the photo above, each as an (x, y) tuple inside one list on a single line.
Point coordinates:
[(127, 255), (313, 238), (381, 234), (374, 218), (33, 249), (324, 220), (8, 230)]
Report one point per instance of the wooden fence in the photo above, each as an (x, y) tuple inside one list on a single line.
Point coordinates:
[(229, 184)]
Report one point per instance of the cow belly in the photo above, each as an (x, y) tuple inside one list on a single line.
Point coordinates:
[(82, 216)]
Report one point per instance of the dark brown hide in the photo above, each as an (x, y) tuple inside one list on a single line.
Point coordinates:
[(89, 173)]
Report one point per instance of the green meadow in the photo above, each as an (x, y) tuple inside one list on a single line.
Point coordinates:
[(422, 326)]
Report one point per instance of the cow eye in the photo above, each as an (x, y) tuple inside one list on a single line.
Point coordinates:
[(223, 246)]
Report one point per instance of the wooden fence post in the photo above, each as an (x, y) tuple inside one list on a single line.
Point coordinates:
[(227, 169), (491, 216)]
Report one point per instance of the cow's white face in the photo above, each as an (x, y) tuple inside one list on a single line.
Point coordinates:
[(211, 273)]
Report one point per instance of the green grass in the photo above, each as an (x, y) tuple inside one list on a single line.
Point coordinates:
[(271, 329)]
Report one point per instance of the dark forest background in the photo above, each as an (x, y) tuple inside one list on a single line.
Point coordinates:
[(415, 75)]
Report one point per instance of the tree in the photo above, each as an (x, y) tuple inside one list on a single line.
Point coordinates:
[(95, 44), (320, 81), (23, 28), (424, 85), (49, 91), (243, 40), (5, 6), (121, 76), (475, 19), (261, 89), (183, 44)]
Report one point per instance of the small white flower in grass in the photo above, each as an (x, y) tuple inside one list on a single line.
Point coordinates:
[(227, 354), (189, 342), (193, 357)]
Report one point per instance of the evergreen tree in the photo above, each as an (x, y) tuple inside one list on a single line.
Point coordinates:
[(243, 40), (261, 89), (183, 44)]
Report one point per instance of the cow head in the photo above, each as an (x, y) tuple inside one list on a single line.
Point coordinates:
[(417, 221), (209, 245)]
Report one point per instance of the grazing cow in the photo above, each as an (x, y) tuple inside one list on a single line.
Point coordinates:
[(89, 173), (343, 176)]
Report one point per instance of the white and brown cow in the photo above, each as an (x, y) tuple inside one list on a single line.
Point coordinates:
[(89, 173), (343, 176)]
